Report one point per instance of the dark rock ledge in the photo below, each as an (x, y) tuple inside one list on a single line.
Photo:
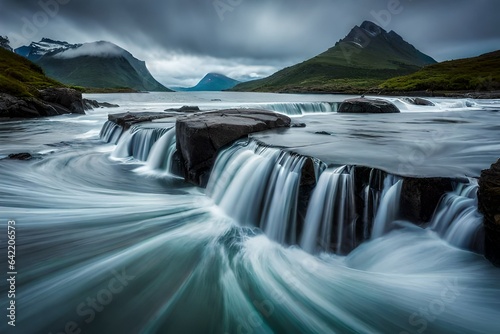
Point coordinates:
[(200, 136), (489, 205), (50, 102)]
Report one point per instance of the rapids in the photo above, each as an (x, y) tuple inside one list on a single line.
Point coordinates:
[(107, 245)]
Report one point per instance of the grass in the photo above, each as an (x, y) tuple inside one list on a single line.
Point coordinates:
[(20, 77), (471, 74)]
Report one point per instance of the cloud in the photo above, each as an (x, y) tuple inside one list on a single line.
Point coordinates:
[(264, 34), (100, 49)]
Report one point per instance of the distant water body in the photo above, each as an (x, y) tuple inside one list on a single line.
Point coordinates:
[(104, 247)]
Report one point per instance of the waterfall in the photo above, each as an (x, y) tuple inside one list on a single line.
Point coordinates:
[(279, 219), (161, 155), (388, 209), (330, 222), (259, 186), (138, 142), (111, 132), (300, 108), (457, 219)]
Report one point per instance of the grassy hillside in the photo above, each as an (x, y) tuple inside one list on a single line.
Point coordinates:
[(97, 72), (479, 73), (20, 77), (364, 59)]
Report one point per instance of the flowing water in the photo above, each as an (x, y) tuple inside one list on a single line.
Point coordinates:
[(108, 241)]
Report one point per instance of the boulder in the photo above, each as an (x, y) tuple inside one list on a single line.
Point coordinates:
[(489, 205), (66, 98), (186, 109), (126, 120), (418, 101), (367, 106), (200, 136), (420, 197)]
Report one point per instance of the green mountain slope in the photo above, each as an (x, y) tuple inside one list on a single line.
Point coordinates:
[(366, 57), (20, 77), (92, 65), (479, 73)]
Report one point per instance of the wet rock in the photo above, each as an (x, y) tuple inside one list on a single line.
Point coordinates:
[(14, 107), (93, 104), (323, 133), (420, 197), (489, 205), (126, 120), (418, 101), (186, 109), (64, 98), (90, 104), (200, 136), (298, 125), (20, 156), (50, 102), (367, 106)]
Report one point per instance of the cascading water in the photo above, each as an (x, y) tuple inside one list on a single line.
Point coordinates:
[(100, 248), (258, 186), (330, 223), (388, 208), (300, 108), (138, 142), (161, 156), (457, 219), (111, 132)]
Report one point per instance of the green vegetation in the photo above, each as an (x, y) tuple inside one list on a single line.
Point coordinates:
[(364, 59), (20, 77), (471, 74)]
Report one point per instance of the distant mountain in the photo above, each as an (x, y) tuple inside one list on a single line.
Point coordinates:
[(366, 57), (5, 43), (470, 74), (211, 82), (37, 50), (96, 65)]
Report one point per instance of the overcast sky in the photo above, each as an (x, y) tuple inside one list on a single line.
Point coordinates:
[(182, 40)]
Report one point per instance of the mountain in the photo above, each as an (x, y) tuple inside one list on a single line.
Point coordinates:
[(211, 82), (92, 65), (366, 57), (470, 74), (37, 50)]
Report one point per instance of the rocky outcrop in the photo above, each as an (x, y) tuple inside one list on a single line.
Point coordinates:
[(51, 102), (489, 205), (200, 136), (93, 104), (126, 120), (420, 197), (64, 99), (367, 106)]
